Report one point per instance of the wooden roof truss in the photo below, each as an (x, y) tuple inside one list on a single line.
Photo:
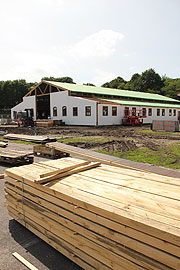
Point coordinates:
[(45, 88)]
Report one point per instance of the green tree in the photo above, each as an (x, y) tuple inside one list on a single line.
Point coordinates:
[(62, 79), (171, 88), (12, 92), (150, 81), (114, 83)]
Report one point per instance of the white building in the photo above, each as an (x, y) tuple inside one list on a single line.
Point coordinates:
[(94, 106)]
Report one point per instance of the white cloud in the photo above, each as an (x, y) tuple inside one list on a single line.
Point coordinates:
[(102, 77), (102, 43)]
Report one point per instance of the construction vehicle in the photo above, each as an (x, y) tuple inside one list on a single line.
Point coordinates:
[(25, 118), (133, 117)]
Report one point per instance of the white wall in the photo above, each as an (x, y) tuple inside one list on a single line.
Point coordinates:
[(149, 119), (27, 103), (117, 120), (109, 119), (60, 99)]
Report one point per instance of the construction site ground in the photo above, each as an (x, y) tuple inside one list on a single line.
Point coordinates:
[(14, 237), (131, 137)]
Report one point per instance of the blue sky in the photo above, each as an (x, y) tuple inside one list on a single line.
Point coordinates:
[(89, 40)]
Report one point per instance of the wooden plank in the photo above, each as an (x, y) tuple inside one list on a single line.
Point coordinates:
[(112, 198), (62, 246), (108, 244), (98, 252), (67, 172), (3, 144), (122, 216), (80, 213), (58, 171), (24, 261), (37, 139), (104, 210)]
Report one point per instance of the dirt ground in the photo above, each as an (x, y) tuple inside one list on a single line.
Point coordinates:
[(119, 138)]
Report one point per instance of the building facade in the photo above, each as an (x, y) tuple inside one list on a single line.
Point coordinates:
[(94, 106)]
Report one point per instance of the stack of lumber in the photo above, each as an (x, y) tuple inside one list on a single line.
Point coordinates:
[(48, 123), (28, 138), (3, 144), (99, 216), (16, 157), (44, 123), (45, 151)]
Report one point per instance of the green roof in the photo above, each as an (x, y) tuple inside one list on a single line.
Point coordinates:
[(111, 91), (142, 104)]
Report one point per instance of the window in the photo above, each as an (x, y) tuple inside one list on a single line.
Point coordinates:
[(126, 111), (54, 111), (88, 111), (75, 111), (105, 110), (174, 112), (133, 111), (64, 111), (158, 112), (114, 111), (170, 112), (144, 111), (163, 112), (150, 112)]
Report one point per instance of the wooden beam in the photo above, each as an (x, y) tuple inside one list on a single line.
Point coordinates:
[(46, 88), (28, 94), (40, 89), (24, 261), (36, 106), (68, 172)]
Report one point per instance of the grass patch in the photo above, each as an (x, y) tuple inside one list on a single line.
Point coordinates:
[(16, 141), (91, 139), (167, 156), (22, 142)]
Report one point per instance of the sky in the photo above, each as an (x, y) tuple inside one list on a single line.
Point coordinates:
[(91, 41)]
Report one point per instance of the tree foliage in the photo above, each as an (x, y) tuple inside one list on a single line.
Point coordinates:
[(61, 79), (12, 92), (150, 82)]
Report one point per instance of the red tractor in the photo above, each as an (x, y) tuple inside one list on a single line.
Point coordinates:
[(133, 117)]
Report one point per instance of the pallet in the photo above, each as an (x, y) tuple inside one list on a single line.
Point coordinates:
[(16, 157), (35, 139), (45, 151), (100, 216)]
